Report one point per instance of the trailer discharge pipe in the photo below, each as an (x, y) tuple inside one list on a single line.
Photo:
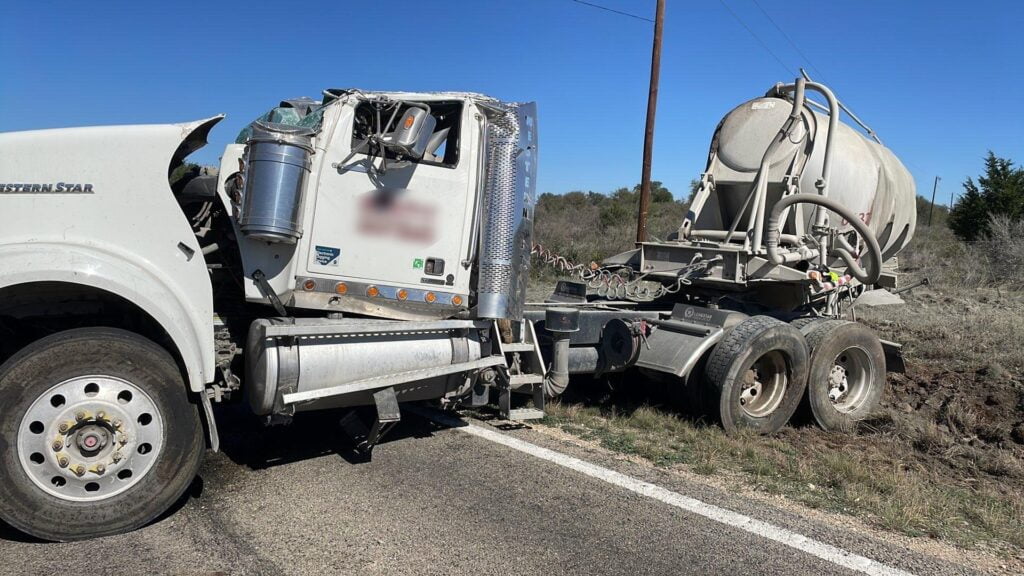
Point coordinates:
[(799, 87), (867, 275), (561, 323)]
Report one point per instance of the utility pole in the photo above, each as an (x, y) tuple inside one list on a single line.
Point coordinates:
[(932, 209), (652, 106)]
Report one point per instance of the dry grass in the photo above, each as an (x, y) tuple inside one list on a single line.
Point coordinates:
[(994, 262), (965, 328), (586, 228), (870, 480)]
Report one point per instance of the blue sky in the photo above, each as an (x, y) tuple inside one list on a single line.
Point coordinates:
[(941, 81)]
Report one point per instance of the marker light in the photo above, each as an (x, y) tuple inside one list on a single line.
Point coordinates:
[(372, 292), (309, 285), (430, 297), (402, 294), (457, 300), (341, 288)]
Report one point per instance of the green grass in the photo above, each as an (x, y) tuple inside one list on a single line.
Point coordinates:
[(869, 482)]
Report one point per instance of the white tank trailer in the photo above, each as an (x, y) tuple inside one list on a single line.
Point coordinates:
[(753, 164), (369, 249)]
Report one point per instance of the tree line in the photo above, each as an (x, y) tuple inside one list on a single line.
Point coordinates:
[(998, 193)]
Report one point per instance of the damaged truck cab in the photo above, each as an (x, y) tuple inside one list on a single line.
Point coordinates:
[(358, 250)]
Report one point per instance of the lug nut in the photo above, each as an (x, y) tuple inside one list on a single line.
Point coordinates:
[(80, 416), (116, 457), (79, 470), (64, 427), (57, 445), (101, 415), (62, 461), (122, 439), (98, 469), (116, 424)]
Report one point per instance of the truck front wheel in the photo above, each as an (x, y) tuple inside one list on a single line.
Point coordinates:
[(97, 435)]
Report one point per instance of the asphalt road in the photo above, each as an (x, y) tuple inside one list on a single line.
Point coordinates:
[(434, 500)]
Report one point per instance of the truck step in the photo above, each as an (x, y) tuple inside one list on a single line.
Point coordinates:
[(516, 380), (387, 380), (517, 347), (525, 414)]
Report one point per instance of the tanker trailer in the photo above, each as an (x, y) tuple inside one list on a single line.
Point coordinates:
[(741, 310)]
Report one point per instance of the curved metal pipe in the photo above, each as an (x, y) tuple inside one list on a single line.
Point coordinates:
[(833, 121), (874, 262), (557, 378), (760, 190), (833, 113), (826, 166), (847, 110)]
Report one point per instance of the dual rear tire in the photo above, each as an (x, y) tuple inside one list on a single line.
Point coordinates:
[(847, 373), (763, 369)]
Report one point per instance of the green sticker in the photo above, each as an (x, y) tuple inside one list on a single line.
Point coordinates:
[(417, 263)]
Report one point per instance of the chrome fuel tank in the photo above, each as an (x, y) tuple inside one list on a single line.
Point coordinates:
[(297, 357)]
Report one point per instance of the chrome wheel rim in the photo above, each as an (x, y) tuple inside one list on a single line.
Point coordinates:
[(764, 385), (90, 438), (849, 380)]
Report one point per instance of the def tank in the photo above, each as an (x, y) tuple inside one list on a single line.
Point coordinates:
[(866, 177)]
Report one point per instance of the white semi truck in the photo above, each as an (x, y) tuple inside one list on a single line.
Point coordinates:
[(371, 249)]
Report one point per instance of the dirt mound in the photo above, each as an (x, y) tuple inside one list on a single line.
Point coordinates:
[(984, 406), (965, 428)]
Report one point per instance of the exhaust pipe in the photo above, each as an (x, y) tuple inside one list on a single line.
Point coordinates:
[(560, 322)]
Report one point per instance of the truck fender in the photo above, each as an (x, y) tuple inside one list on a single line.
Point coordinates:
[(115, 272), (93, 206)]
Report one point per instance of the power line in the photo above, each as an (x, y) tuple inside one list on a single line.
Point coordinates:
[(819, 77), (756, 37), (613, 10), (790, 40)]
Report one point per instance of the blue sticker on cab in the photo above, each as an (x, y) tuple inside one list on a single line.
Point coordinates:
[(328, 255)]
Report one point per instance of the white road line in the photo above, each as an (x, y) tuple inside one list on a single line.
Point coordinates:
[(778, 534)]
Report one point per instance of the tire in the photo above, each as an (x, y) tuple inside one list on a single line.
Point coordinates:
[(807, 325), (847, 374), (759, 372), (119, 406)]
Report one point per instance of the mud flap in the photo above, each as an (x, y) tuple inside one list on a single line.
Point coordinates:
[(675, 347), (212, 437), (894, 357), (677, 344)]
